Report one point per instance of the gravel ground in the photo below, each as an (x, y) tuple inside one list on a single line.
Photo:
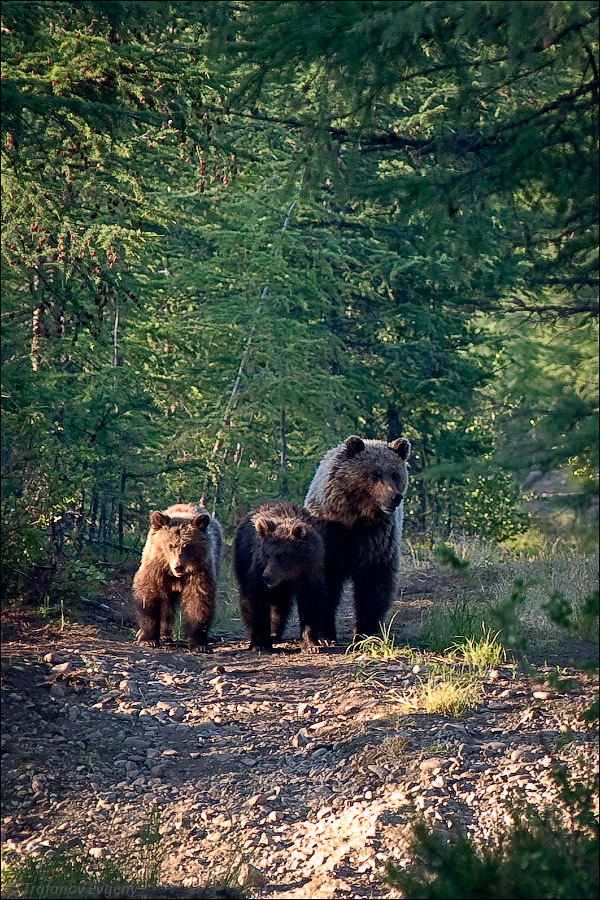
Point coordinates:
[(291, 764)]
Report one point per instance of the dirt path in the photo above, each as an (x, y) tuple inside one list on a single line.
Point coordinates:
[(290, 762)]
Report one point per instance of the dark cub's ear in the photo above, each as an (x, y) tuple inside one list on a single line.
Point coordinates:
[(353, 445), (201, 522), (263, 526), (159, 520), (299, 532), (402, 447)]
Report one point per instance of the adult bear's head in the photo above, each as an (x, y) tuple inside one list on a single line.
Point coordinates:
[(360, 479)]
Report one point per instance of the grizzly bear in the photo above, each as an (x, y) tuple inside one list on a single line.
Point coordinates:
[(180, 565), (278, 556), (356, 499)]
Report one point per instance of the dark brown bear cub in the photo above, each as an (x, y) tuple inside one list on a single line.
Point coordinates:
[(278, 556), (180, 565), (356, 499)]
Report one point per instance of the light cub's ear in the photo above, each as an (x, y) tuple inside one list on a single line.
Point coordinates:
[(159, 520), (353, 445), (402, 447), (299, 532), (201, 522), (263, 526)]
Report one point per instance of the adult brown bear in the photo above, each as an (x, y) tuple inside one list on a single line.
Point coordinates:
[(180, 565), (278, 557), (356, 497)]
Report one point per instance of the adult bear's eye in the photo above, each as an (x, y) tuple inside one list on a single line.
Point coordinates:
[(377, 476)]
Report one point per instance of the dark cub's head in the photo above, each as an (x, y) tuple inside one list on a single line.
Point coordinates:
[(290, 545), (182, 539)]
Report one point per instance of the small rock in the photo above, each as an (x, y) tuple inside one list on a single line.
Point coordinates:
[(301, 738), (97, 852), (380, 771), (257, 800), (250, 877), (58, 690), (53, 658), (63, 668)]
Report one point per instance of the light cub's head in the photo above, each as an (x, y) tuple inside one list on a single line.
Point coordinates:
[(183, 542)]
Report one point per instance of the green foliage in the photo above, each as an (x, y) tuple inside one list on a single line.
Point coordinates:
[(540, 855), (382, 646), (480, 654), (447, 623), (69, 871), (224, 250)]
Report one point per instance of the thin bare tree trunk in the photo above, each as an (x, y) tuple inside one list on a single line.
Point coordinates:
[(233, 397), (283, 453), (115, 359)]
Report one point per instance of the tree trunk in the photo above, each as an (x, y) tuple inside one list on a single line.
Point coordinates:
[(233, 397), (93, 514), (283, 490), (394, 424), (121, 523)]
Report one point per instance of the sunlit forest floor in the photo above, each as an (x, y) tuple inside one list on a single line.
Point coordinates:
[(288, 775)]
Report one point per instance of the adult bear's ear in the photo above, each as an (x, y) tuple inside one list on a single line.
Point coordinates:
[(353, 445), (201, 522), (263, 526), (159, 520), (299, 532), (402, 447)]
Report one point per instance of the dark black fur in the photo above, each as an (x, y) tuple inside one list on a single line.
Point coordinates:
[(278, 557), (356, 500)]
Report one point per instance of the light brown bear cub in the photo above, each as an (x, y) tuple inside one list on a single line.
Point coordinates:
[(180, 565)]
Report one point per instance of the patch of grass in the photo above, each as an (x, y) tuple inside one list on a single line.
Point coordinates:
[(448, 694), (555, 595), (483, 654), (60, 875), (87, 758), (381, 646), (446, 625), (68, 871), (393, 747)]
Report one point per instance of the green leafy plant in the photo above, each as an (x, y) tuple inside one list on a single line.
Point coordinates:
[(545, 854)]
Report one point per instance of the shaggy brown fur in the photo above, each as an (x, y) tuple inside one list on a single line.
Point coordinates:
[(180, 565), (278, 556), (356, 499)]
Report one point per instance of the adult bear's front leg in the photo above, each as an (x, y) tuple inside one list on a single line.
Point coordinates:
[(374, 591)]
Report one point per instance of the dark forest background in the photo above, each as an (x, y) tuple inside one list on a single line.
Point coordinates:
[(236, 232)]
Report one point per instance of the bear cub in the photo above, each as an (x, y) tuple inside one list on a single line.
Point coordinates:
[(180, 566), (278, 556), (356, 499)]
